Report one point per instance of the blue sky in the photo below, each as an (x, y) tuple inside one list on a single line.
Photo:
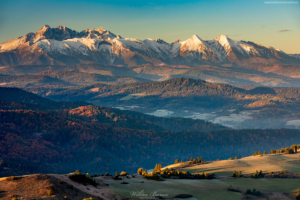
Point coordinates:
[(276, 25)]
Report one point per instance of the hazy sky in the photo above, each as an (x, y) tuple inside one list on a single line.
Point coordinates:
[(270, 24)]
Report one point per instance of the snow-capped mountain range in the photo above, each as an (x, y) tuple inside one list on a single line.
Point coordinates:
[(63, 46)]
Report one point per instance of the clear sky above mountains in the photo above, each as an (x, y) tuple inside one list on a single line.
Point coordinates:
[(264, 22)]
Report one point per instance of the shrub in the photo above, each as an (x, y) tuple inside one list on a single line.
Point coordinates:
[(298, 195), (77, 172), (50, 193), (253, 192), (12, 178), (123, 173), (83, 179), (248, 191), (71, 187), (154, 177), (283, 171)]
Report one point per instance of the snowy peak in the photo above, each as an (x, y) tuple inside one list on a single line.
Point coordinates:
[(223, 40), (62, 45), (194, 43), (195, 38)]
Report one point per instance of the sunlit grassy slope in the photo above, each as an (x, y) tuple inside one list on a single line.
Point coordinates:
[(217, 188), (248, 165)]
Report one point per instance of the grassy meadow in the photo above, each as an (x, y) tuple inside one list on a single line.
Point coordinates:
[(205, 189)]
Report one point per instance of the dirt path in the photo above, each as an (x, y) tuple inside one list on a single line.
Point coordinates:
[(101, 190)]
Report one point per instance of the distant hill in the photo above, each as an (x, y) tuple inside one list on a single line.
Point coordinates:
[(177, 87), (15, 98), (270, 75), (62, 79), (96, 139), (171, 93), (20, 96)]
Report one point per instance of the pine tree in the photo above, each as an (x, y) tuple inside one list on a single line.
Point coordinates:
[(159, 167), (181, 161), (176, 161), (239, 174), (140, 171), (236, 157), (191, 159), (155, 169)]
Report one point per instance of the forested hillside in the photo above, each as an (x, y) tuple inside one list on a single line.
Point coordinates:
[(96, 140)]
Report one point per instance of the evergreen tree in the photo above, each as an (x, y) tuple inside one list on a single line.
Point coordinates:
[(239, 174), (159, 167), (176, 161), (140, 171), (234, 173)]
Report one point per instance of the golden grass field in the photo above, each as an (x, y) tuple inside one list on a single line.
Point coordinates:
[(247, 165)]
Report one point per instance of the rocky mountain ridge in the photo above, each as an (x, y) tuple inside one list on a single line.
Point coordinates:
[(64, 46)]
